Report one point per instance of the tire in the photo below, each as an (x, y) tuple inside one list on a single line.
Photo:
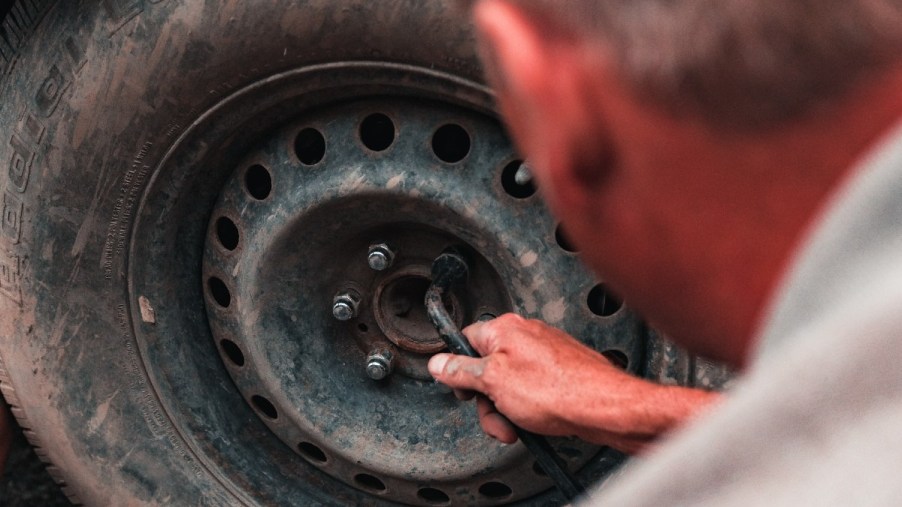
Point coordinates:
[(125, 123)]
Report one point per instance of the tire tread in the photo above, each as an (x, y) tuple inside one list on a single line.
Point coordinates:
[(15, 30), (9, 393)]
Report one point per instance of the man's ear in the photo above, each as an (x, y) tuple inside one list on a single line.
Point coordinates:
[(545, 85), (516, 59)]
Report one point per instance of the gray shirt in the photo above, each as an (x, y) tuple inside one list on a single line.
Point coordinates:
[(817, 419)]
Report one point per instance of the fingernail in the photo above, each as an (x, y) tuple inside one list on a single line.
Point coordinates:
[(437, 364)]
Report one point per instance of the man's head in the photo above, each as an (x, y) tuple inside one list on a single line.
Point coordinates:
[(686, 145)]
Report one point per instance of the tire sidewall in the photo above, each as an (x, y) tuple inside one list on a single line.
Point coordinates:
[(90, 108)]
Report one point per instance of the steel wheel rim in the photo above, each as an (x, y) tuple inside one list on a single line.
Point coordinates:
[(161, 358)]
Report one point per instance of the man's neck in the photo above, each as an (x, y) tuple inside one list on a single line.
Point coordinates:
[(812, 158)]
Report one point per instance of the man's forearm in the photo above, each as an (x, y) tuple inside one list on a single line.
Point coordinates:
[(638, 412)]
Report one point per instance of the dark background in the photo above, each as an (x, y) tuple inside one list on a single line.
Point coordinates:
[(5, 6), (26, 482)]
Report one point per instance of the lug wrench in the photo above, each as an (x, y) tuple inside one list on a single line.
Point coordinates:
[(448, 269)]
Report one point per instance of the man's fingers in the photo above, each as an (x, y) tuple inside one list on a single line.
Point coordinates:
[(484, 336), (458, 372), (478, 334), (493, 423)]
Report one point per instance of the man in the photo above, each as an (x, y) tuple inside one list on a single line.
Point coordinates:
[(734, 168)]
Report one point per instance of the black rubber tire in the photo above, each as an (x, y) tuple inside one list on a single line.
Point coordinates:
[(5, 7), (89, 92)]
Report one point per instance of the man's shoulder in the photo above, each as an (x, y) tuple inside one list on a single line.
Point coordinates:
[(812, 425)]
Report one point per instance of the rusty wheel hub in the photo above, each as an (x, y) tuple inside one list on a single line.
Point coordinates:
[(399, 311)]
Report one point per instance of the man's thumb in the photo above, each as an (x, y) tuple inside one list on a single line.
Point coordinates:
[(437, 364), (459, 372)]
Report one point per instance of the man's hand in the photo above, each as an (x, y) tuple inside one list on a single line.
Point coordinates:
[(547, 382)]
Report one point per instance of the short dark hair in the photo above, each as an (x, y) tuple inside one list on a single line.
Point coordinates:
[(737, 63)]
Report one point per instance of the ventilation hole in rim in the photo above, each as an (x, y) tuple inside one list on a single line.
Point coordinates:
[(363, 327), (377, 132), (433, 496), (233, 352), (617, 358), (562, 241), (220, 292), (537, 468), (603, 302), (265, 406), (486, 317), (451, 143), (369, 482), (258, 182), (495, 490), (312, 452), (310, 146), (512, 186), (227, 232)]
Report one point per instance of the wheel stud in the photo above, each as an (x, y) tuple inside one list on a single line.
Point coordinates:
[(344, 305), (379, 363), (380, 257), (524, 175)]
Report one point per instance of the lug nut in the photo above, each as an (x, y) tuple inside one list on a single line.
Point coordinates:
[(379, 364), (380, 257), (344, 305)]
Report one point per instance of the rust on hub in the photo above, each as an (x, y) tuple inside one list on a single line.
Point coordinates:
[(401, 314)]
